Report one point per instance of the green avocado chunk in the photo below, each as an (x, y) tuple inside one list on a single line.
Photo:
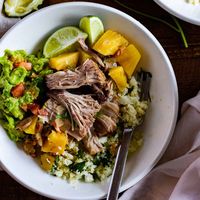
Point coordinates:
[(18, 75)]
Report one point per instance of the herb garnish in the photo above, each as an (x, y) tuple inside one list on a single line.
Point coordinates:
[(77, 166)]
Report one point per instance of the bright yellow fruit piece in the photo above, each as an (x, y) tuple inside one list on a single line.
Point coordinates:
[(47, 161), (109, 43), (64, 61), (129, 59), (83, 56), (55, 143), (119, 76), (31, 129)]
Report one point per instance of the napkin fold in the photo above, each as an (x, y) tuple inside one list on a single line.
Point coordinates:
[(177, 177)]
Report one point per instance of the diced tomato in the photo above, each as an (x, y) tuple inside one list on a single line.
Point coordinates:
[(18, 90), (34, 108), (26, 65)]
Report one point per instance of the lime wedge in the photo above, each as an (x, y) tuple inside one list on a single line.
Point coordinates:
[(93, 26), (63, 40), (18, 8)]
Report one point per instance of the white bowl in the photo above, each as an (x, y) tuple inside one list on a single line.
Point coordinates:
[(182, 9), (30, 33)]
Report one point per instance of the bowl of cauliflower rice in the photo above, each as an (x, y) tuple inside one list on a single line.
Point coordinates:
[(69, 85)]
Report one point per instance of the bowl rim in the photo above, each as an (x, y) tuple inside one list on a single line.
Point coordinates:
[(171, 72), (177, 14)]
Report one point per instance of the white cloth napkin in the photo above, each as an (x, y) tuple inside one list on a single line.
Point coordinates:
[(178, 175)]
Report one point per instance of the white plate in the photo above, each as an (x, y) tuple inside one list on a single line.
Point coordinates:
[(182, 9), (30, 33)]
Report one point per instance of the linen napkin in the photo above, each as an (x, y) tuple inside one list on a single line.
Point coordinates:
[(178, 175)]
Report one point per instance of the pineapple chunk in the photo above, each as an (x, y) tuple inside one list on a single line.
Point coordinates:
[(83, 56), (31, 129), (119, 76), (64, 61), (109, 43), (47, 161), (55, 143), (129, 59)]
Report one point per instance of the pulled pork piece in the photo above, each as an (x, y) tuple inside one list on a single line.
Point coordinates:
[(90, 52), (99, 94), (111, 109), (86, 74), (92, 144), (39, 139), (66, 126), (82, 109), (107, 120), (38, 131), (25, 123), (57, 116), (53, 110), (104, 125), (69, 129), (102, 94), (109, 91), (110, 63)]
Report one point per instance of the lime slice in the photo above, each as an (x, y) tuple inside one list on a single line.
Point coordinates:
[(17, 8), (93, 26), (63, 40)]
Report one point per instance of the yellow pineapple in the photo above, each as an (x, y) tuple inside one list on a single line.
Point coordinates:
[(129, 59), (55, 143), (119, 76), (109, 43), (64, 61)]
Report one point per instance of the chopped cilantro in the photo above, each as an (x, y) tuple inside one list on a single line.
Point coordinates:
[(62, 116), (55, 166), (77, 166), (80, 153), (104, 158)]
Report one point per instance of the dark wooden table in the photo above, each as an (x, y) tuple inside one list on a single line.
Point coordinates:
[(185, 61)]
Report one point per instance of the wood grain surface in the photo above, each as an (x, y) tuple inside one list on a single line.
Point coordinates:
[(185, 61)]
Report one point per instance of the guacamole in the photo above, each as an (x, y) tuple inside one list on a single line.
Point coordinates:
[(21, 84)]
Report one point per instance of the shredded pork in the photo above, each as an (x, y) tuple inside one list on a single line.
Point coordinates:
[(82, 109), (91, 52), (86, 74), (85, 123), (92, 144), (106, 121)]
